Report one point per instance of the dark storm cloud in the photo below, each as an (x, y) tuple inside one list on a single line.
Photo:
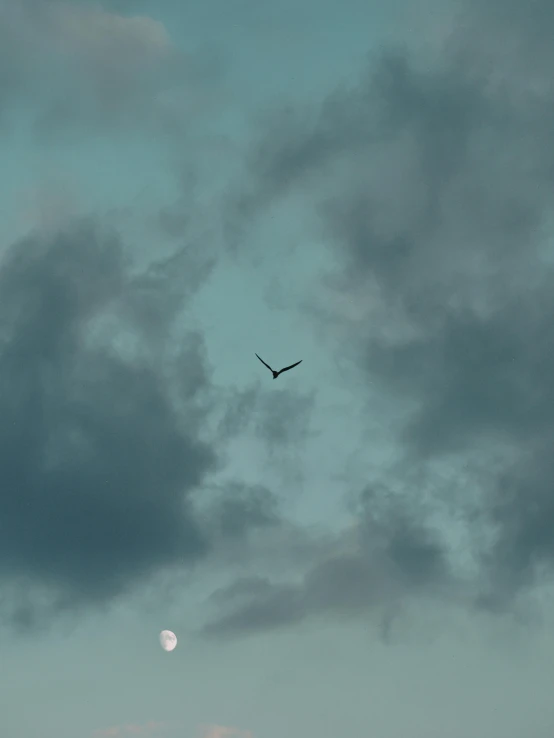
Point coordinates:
[(372, 569), (522, 509), (96, 464), (434, 181)]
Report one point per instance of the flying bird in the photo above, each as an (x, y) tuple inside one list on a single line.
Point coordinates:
[(276, 374)]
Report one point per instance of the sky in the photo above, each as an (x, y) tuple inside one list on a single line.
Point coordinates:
[(363, 546)]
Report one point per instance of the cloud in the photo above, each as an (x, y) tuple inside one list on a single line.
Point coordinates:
[(154, 728), (284, 418), (149, 729), (83, 67), (97, 461), (372, 568), (109, 451), (280, 423), (241, 508), (222, 731), (281, 418), (433, 180)]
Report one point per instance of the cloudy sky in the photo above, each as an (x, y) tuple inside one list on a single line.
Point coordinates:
[(366, 545)]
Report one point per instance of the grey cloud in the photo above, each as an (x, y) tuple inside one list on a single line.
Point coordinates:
[(245, 586), (281, 418), (240, 508), (372, 571), (522, 510), (285, 417), (434, 184), (267, 606), (81, 66), (239, 410), (96, 463), (476, 376), (252, 537)]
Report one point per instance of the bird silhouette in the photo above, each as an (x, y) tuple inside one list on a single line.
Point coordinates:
[(276, 374)]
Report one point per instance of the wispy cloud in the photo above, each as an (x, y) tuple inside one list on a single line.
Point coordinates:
[(147, 730), (223, 731)]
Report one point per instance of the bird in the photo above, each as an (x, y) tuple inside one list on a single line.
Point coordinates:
[(276, 374)]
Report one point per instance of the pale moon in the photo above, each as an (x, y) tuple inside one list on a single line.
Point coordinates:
[(168, 640)]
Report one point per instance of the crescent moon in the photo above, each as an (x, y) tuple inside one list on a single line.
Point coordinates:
[(168, 640)]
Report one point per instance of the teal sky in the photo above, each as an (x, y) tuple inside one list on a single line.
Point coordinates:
[(363, 546)]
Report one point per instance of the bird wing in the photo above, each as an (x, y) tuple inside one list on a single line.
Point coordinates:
[(290, 367), (263, 362)]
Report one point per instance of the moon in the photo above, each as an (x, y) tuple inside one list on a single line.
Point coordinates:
[(168, 640)]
